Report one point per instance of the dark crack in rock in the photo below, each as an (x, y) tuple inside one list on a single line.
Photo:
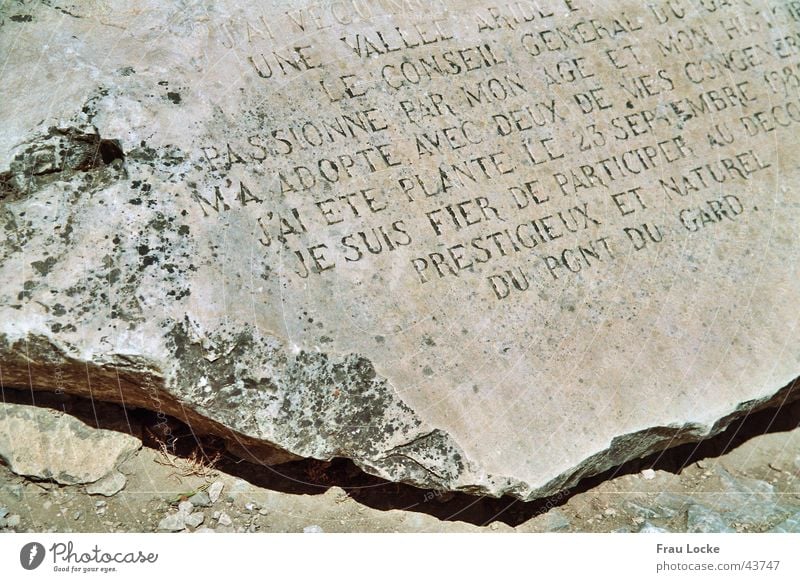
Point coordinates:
[(58, 156)]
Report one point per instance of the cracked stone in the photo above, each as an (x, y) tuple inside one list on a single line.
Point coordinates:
[(310, 270), (747, 501), (109, 485)]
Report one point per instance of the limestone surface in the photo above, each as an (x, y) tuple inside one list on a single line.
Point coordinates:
[(49, 445), (480, 247)]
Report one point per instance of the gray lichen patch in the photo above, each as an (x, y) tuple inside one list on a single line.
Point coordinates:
[(62, 154), (315, 404)]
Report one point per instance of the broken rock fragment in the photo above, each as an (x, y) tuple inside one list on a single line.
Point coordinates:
[(468, 248)]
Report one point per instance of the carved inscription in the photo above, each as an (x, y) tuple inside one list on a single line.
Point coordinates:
[(507, 146)]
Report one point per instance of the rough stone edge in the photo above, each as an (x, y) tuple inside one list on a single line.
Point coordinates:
[(120, 379)]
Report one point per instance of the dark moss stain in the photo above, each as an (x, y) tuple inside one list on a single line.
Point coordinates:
[(326, 406), (27, 288), (22, 18), (174, 97), (62, 155), (43, 267)]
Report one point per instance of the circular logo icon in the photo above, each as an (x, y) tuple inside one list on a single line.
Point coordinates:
[(31, 555)]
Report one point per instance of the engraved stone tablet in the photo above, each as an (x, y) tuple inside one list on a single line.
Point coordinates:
[(480, 246)]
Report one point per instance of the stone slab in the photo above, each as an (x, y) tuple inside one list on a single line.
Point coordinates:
[(486, 247), (49, 445)]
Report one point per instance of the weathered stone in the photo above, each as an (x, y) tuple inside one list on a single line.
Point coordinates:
[(173, 522), (701, 519), (789, 525), (555, 520), (46, 444), (648, 527), (200, 499), (109, 485), (748, 502), (215, 490), (194, 520), (479, 249)]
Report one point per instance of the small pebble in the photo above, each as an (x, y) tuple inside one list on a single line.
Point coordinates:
[(200, 499), (648, 474), (224, 519), (215, 490), (173, 522), (195, 519), (312, 529)]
